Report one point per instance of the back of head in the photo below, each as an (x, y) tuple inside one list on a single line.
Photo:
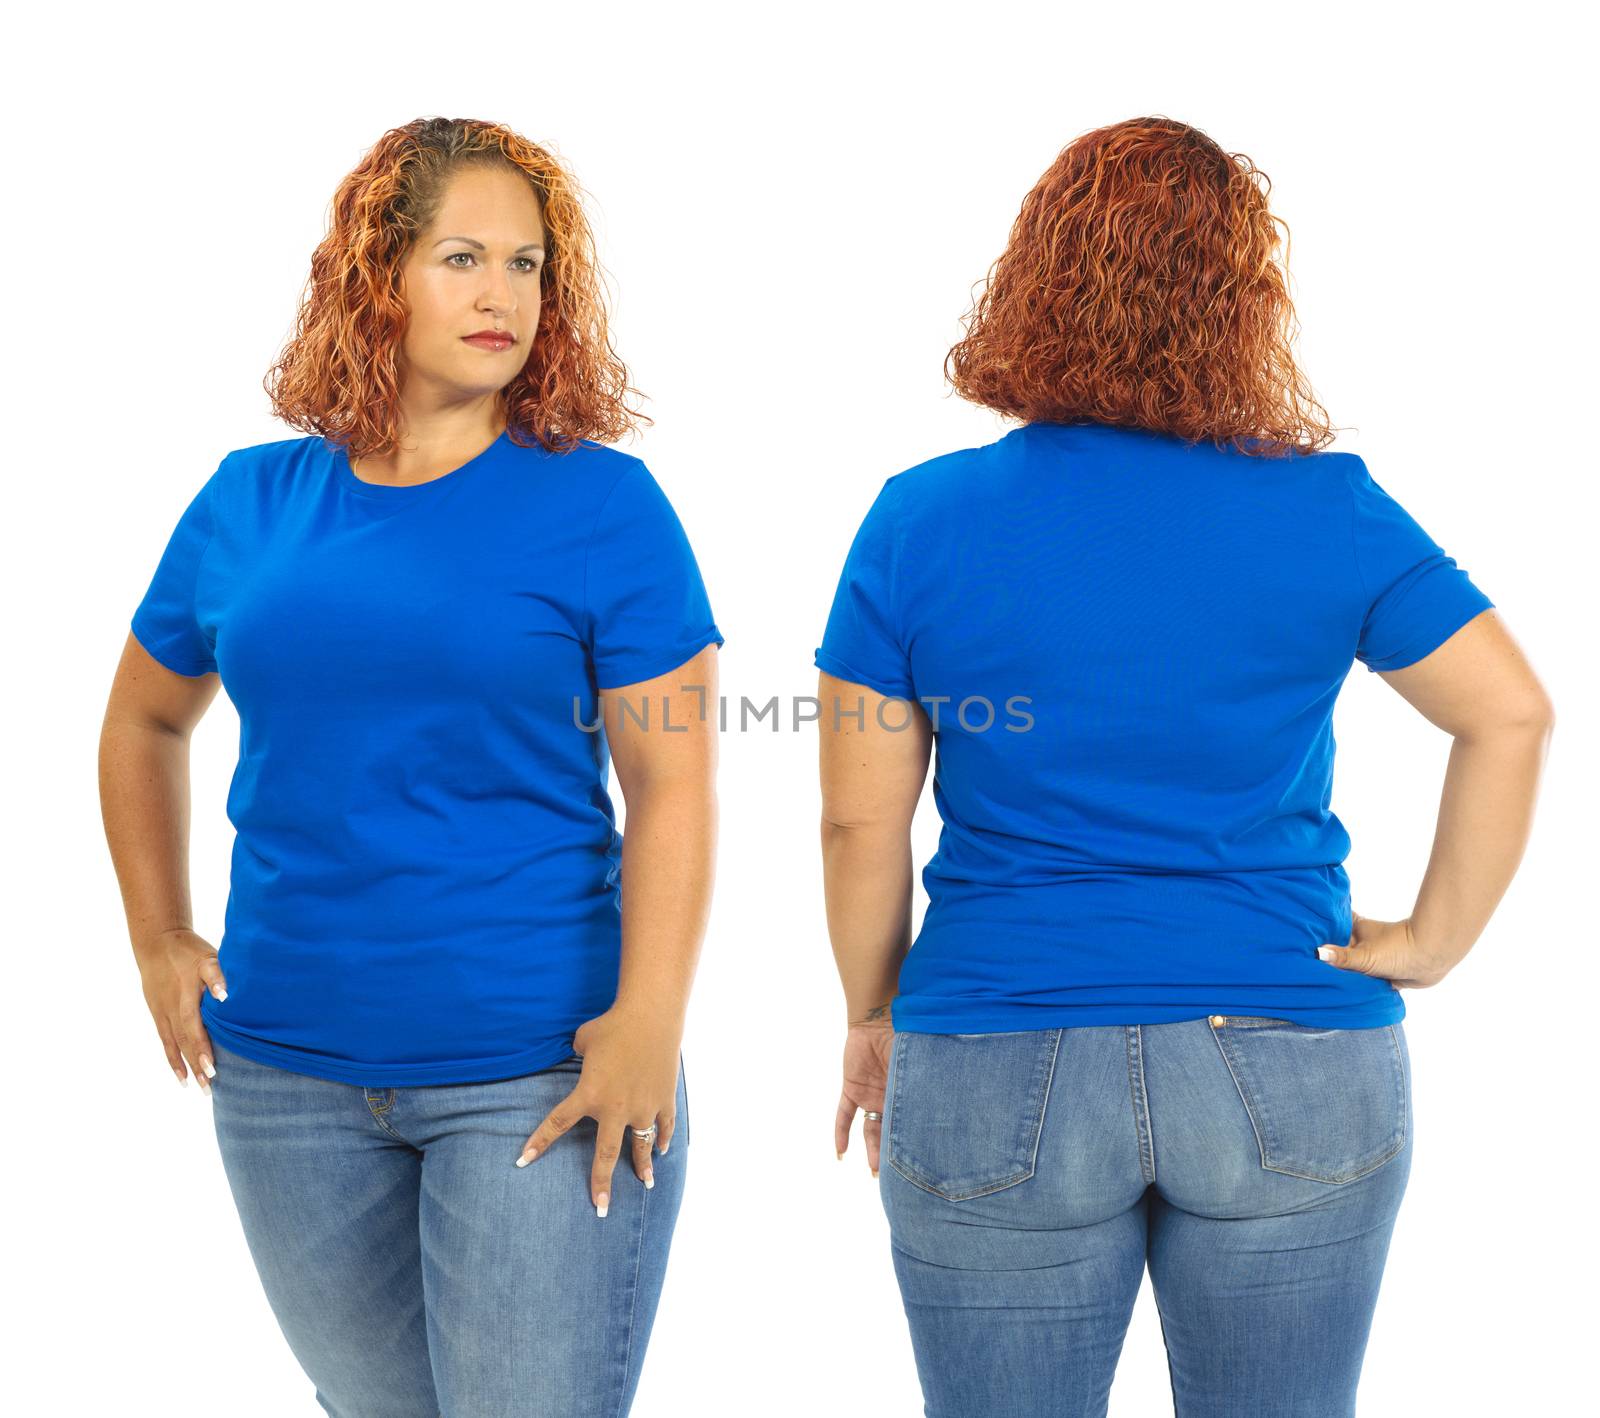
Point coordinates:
[(1141, 287)]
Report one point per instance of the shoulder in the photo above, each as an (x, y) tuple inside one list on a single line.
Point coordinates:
[(586, 474), (945, 473), (1334, 464), (257, 461), (256, 457), (937, 487), (258, 474)]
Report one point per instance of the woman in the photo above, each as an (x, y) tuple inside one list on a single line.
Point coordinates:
[(1126, 623), (430, 612)]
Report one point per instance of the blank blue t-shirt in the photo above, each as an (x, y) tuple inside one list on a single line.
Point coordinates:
[(425, 882), (1142, 834)]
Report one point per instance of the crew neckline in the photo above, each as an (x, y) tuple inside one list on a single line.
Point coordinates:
[(1090, 426), (387, 492)]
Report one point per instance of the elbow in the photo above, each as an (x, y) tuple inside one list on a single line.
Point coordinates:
[(1534, 716), (1538, 713), (838, 826), (1547, 718)]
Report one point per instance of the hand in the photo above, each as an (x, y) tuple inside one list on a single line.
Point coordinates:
[(866, 1076), (629, 1080), (1389, 950), (173, 969)]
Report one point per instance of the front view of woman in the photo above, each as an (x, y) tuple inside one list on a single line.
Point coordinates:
[(1141, 1025), (442, 1041)]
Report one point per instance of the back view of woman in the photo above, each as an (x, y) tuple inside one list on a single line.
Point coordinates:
[(1141, 1024)]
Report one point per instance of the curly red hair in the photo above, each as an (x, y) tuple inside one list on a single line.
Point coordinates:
[(1140, 286), (339, 373)]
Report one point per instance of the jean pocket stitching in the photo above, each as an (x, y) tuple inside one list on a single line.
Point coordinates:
[(1274, 1149), (1031, 1124)]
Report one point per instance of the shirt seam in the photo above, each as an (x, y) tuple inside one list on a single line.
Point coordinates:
[(209, 494), (1355, 546), (894, 581), (583, 604)]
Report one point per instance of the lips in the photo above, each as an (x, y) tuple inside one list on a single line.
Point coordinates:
[(490, 341)]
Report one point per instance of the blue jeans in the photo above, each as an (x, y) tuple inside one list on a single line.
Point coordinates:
[(1254, 1165), (416, 1270)]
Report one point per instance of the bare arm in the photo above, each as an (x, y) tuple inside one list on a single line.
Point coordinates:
[(873, 767), (144, 804), (667, 772), (663, 741), (1479, 688), (874, 756)]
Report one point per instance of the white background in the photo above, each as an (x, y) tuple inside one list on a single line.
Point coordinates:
[(793, 206)]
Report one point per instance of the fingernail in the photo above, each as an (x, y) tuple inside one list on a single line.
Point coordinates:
[(183, 1079), (1325, 952), (219, 992), (664, 1147), (602, 1203), (874, 1171), (208, 1066), (840, 1156), (649, 1180), (204, 1086), (527, 1156)]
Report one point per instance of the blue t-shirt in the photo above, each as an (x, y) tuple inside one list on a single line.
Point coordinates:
[(425, 882), (1147, 838)]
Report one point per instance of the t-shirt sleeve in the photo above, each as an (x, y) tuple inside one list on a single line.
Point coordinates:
[(1416, 596), (166, 622), (862, 642), (645, 604)]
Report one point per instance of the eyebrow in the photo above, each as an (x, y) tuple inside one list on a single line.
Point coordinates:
[(531, 246)]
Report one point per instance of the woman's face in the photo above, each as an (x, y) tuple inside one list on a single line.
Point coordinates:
[(474, 268)]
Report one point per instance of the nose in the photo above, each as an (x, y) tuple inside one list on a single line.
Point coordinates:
[(497, 296)]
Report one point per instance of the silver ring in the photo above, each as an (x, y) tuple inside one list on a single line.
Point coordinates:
[(644, 1132), (873, 1117)]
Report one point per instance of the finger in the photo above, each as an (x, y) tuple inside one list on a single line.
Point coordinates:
[(643, 1149), (169, 1046), (872, 1135), (607, 1148), (211, 977), (842, 1121), (556, 1122), (196, 1045)]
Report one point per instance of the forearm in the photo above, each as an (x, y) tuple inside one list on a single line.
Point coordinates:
[(144, 806), (867, 879), (1485, 817), (668, 865)]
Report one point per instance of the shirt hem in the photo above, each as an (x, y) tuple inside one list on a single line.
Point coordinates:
[(650, 669), (1425, 643), (388, 1075), (911, 1016), (162, 654), (840, 670)]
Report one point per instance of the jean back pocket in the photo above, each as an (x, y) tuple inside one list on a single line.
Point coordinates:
[(1330, 1105), (966, 1110)]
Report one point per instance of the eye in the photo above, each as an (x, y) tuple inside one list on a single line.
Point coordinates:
[(532, 264)]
